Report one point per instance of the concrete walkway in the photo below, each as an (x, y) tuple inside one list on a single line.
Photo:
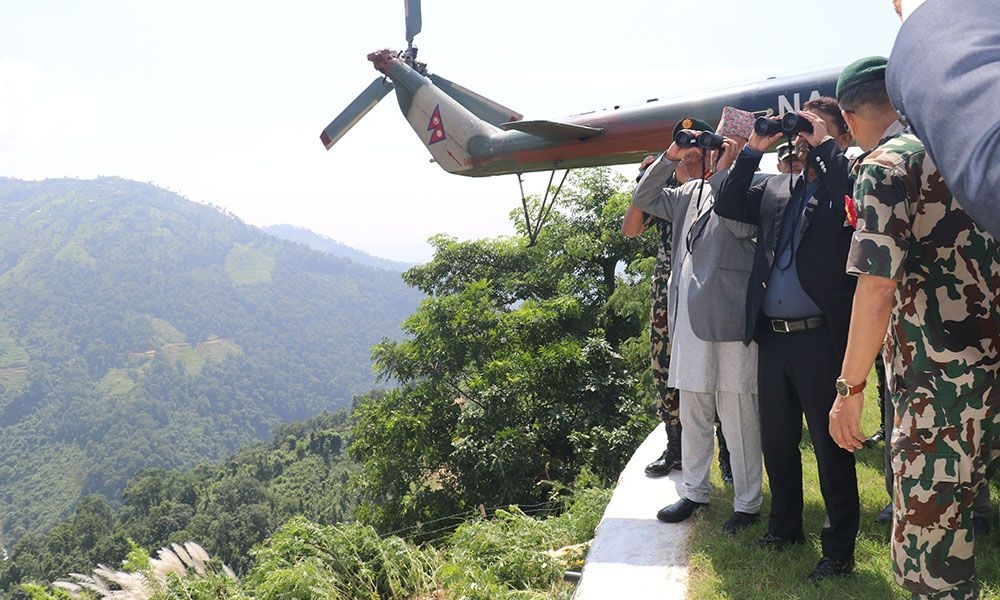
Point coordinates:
[(633, 555)]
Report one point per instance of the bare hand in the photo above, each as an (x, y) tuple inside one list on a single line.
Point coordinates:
[(676, 153), (820, 129), (845, 421), (761, 143), (730, 149)]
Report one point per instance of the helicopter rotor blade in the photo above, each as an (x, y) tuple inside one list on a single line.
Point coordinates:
[(488, 110), (412, 19), (365, 101)]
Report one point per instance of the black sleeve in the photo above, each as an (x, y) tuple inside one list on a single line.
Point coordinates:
[(738, 199), (833, 167)]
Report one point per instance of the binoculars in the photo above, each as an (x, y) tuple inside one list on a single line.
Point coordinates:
[(703, 139), (789, 124)]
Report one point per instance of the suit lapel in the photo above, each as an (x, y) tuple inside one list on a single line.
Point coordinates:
[(807, 216), (781, 204), (706, 206)]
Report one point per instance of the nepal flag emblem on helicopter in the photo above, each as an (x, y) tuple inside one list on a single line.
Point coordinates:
[(436, 127)]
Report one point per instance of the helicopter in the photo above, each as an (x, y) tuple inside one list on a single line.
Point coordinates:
[(471, 135)]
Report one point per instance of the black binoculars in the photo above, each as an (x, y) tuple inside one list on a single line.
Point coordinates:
[(703, 139), (789, 124)]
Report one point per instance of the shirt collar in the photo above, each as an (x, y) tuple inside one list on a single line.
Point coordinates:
[(891, 131)]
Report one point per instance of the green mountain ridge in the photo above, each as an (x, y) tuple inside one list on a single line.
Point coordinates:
[(140, 329), (324, 244)]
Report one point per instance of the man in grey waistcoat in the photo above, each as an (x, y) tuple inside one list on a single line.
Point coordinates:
[(709, 363)]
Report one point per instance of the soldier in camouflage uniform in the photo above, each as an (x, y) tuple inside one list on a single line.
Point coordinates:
[(667, 398), (667, 408), (931, 274)]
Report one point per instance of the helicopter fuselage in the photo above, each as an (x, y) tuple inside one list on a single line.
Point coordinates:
[(464, 144)]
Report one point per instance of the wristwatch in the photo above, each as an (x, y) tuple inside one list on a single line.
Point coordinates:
[(845, 389)]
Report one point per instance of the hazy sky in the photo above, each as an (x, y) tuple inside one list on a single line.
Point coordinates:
[(223, 101)]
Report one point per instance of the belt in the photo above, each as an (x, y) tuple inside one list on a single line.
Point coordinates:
[(792, 325)]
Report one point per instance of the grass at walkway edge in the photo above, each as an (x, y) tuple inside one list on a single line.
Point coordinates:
[(725, 566)]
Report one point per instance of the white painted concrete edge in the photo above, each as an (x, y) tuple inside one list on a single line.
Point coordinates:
[(633, 555)]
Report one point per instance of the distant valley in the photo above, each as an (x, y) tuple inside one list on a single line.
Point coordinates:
[(140, 329)]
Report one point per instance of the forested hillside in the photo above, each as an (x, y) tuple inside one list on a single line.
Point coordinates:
[(228, 507), (280, 515), (522, 382), (140, 329)]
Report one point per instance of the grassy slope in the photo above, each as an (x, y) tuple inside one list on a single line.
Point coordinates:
[(724, 566)]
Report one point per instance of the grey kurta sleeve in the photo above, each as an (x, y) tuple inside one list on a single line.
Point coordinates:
[(944, 75), (650, 196)]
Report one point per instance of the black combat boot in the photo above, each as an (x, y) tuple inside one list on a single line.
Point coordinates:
[(724, 466), (878, 436), (671, 457)]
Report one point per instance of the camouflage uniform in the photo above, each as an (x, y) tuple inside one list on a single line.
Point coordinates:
[(667, 398), (945, 368)]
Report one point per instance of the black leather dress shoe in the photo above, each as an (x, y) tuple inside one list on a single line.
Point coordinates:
[(773, 542), (679, 511), (828, 567), (739, 521)]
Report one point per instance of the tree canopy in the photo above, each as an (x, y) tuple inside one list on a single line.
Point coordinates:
[(512, 378)]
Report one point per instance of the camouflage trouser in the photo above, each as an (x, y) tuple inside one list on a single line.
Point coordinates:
[(940, 459), (667, 398)]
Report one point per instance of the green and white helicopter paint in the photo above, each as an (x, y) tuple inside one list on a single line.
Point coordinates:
[(469, 134)]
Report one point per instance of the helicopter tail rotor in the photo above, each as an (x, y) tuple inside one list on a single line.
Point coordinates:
[(378, 89)]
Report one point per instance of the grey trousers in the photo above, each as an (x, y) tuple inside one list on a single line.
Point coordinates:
[(741, 426)]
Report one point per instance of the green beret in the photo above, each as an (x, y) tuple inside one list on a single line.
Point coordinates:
[(861, 71), (692, 124)]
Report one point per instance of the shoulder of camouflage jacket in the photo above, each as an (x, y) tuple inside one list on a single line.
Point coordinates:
[(904, 149)]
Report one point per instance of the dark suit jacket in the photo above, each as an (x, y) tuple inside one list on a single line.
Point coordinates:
[(821, 257)]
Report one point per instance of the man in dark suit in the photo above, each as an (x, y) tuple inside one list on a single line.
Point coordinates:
[(798, 311)]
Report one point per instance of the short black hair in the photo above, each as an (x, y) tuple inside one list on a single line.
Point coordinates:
[(869, 93), (828, 106)]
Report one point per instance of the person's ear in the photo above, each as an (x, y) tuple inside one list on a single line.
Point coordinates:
[(849, 119), (847, 137)]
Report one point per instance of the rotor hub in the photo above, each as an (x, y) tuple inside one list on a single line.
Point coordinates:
[(381, 59)]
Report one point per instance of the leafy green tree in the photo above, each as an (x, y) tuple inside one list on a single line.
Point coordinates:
[(512, 381)]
